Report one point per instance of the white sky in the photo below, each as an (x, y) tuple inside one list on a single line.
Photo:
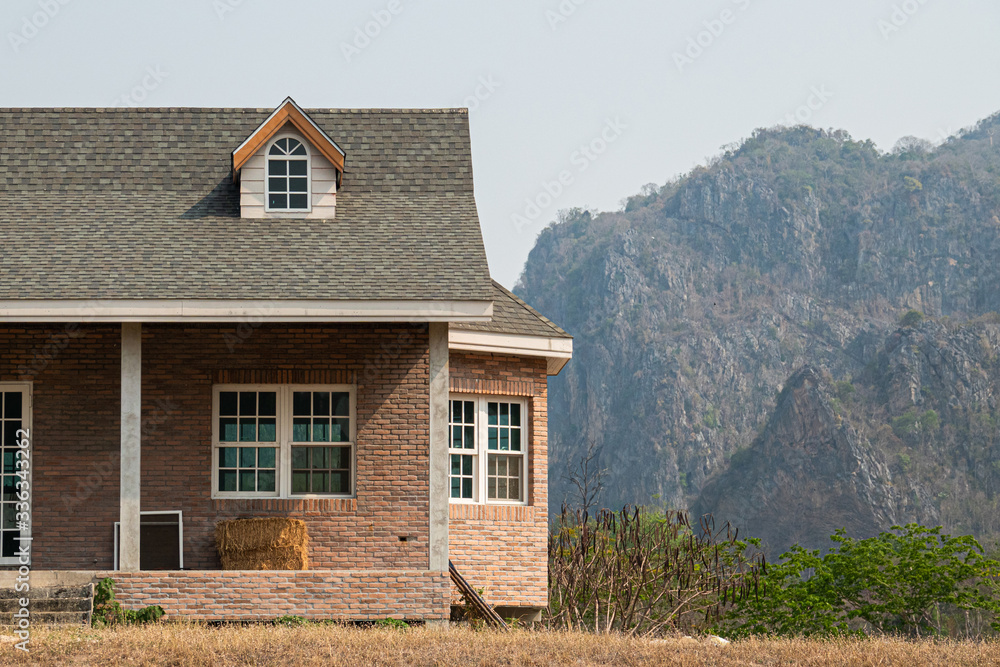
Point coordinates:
[(556, 85)]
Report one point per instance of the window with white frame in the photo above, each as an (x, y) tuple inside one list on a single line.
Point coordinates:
[(283, 440), (488, 449), (288, 176)]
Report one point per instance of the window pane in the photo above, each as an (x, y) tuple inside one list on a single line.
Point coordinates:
[(492, 410), (298, 185), (298, 201), (340, 458), (504, 440), (228, 431), (515, 440), (265, 480), (340, 482), (297, 167), (456, 487), (248, 430), (470, 412), (341, 430), (491, 466), (11, 428), (492, 488), (9, 521), (320, 459), (296, 148), (502, 465), (277, 185), (456, 411), (277, 168), (321, 482), (12, 405), (341, 404), (268, 431), (300, 430), (268, 403), (248, 480), (300, 457), (278, 201), (9, 544), (502, 489), (282, 145), (470, 437), (456, 464), (8, 462), (321, 403), (321, 430), (266, 457), (228, 403), (467, 488), (228, 456), (248, 403), (504, 414), (301, 403), (467, 466), (227, 480), (513, 489), (492, 440), (9, 487), (515, 414), (248, 457), (456, 437), (300, 482)]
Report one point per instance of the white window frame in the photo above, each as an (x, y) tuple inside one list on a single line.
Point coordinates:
[(283, 443), (267, 173), (481, 451), (27, 413)]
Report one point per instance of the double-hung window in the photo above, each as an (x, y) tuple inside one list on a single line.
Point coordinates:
[(488, 449), (282, 441)]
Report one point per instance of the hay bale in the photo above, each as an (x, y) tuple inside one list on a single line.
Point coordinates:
[(263, 544)]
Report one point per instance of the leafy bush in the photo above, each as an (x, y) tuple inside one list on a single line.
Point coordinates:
[(911, 319), (108, 612), (897, 582)]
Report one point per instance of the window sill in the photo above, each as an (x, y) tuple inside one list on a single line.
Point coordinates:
[(324, 504)]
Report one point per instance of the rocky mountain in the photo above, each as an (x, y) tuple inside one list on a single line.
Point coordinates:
[(717, 318)]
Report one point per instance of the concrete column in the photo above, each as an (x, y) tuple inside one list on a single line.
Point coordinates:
[(131, 404), (439, 446)]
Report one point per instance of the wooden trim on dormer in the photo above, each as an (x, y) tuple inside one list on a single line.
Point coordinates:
[(290, 113)]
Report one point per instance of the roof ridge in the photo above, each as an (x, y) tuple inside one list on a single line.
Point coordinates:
[(373, 110)]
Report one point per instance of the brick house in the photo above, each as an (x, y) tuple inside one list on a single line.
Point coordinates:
[(209, 314)]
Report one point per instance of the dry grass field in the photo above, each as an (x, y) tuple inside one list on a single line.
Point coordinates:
[(180, 644)]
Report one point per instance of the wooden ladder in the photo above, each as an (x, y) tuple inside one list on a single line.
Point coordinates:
[(487, 612)]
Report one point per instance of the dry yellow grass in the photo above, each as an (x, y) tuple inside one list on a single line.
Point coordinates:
[(181, 644)]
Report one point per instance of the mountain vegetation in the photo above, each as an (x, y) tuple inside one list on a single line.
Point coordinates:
[(799, 337)]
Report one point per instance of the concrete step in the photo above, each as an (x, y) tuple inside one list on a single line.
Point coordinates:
[(55, 605)]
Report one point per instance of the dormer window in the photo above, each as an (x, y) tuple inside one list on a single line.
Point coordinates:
[(288, 176)]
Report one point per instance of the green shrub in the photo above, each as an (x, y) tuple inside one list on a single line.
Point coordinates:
[(896, 582), (911, 319), (108, 612)]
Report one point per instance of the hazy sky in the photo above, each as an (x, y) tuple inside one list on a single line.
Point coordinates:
[(604, 96)]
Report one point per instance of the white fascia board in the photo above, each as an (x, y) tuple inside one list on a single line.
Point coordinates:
[(211, 310), (558, 351)]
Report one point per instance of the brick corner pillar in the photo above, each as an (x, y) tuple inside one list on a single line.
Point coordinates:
[(439, 447), (131, 442)]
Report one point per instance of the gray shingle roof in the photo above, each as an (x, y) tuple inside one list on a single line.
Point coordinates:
[(511, 315), (140, 204)]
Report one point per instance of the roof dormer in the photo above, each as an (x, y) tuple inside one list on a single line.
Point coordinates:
[(288, 167)]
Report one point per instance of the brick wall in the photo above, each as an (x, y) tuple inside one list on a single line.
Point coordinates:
[(77, 439), (503, 548), (344, 595)]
